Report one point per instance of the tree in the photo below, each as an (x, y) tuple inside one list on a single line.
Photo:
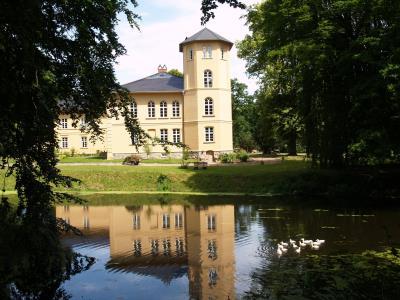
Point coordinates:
[(175, 72), (243, 116), (334, 68)]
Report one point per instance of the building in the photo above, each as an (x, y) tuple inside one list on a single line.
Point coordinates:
[(163, 242), (195, 110)]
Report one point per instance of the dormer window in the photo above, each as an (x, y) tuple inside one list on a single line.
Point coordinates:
[(207, 52)]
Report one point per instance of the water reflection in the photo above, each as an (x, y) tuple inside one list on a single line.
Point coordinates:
[(164, 242), (228, 251)]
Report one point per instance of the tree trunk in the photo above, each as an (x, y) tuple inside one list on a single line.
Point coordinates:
[(292, 143)]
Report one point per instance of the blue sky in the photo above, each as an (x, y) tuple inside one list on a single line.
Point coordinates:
[(166, 23)]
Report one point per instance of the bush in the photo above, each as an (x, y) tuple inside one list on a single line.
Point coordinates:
[(243, 156), (101, 154), (227, 158), (163, 183), (131, 160)]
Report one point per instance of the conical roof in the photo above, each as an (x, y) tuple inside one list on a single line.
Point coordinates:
[(204, 35)]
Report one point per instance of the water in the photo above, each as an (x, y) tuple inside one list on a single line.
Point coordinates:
[(221, 251)]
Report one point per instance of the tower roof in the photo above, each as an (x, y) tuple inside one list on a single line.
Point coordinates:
[(159, 82), (204, 35)]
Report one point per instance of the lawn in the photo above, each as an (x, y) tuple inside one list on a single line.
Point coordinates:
[(97, 159), (285, 178)]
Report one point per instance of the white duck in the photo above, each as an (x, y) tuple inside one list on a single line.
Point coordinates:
[(284, 244), (283, 249), (302, 244), (315, 246), (298, 250), (320, 241), (295, 246), (292, 242), (307, 242), (279, 251)]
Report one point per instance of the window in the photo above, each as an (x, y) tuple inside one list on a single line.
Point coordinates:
[(209, 134), (178, 220), (83, 141), (167, 247), (207, 78), (137, 248), (222, 53), (179, 247), (208, 107), (133, 109), (211, 222), (212, 277), (166, 221), (212, 249), (190, 54), (164, 135), (154, 247), (86, 223), (151, 109), (163, 109), (136, 221), (83, 122), (64, 123), (175, 109), (64, 142), (176, 135), (207, 52)]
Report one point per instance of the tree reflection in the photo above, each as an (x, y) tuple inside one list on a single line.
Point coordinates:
[(33, 263)]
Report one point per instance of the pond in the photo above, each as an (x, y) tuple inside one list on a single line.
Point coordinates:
[(227, 249)]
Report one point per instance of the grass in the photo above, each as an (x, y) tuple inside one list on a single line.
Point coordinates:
[(285, 178), (97, 159)]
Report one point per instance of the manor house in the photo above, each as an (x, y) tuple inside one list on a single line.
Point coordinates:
[(195, 110)]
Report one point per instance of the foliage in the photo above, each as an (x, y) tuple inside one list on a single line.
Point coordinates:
[(243, 156), (163, 183), (227, 157), (329, 72), (243, 116), (370, 275), (132, 160), (147, 148), (208, 6), (175, 72)]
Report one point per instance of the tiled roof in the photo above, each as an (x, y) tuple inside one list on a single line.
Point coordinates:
[(204, 35), (159, 82)]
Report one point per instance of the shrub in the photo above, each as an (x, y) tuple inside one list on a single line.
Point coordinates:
[(131, 160), (147, 148), (101, 154), (227, 158), (163, 183), (243, 156), (73, 152)]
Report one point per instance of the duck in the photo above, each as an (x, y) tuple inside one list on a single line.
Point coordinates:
[(302, 244), (292, 241), (307, 242), (284, 244), (279, 251), (320, 241), (298, 250), (315, 246), (283, 249), (295, 246)]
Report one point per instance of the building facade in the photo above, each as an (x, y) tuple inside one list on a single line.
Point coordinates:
[(195, 110)]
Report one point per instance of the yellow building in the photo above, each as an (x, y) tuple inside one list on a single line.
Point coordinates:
[(165, 242), (195, 110)]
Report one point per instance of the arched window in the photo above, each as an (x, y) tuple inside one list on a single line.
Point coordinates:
[(208, 78), (175, 109), (208, 107), (163, 109), (151, 108), (133, 109)]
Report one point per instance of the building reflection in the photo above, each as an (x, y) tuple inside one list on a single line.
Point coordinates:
[(166, 242)]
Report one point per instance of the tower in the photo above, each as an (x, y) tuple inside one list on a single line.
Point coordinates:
[(207, 123)]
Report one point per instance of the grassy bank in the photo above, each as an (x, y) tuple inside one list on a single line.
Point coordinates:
[(97, 159), (287, 178)]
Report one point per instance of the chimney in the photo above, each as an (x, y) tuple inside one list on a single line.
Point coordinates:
[(162, 69)]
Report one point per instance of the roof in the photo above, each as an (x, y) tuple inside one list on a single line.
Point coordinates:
[(159, 82), (204, 35)]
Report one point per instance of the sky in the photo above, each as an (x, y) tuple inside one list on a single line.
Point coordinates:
[(165, 24)]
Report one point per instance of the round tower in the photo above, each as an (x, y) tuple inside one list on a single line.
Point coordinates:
[(207, 120)]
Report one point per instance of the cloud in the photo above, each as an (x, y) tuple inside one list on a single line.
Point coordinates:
[(165, 25)]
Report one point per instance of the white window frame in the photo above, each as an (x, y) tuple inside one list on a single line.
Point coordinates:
[(176, 109), (208, 106), (164, 135), (133, 109), (151, 109), (178, 220), (86, 222), (190, 54), (208, 78), (64, 123), (212, 222), (163, 109), (84, 142), (136, 221), (83, 121), (176, 135), (209, 134), (166, 221), (64, 142), (207, 52)]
